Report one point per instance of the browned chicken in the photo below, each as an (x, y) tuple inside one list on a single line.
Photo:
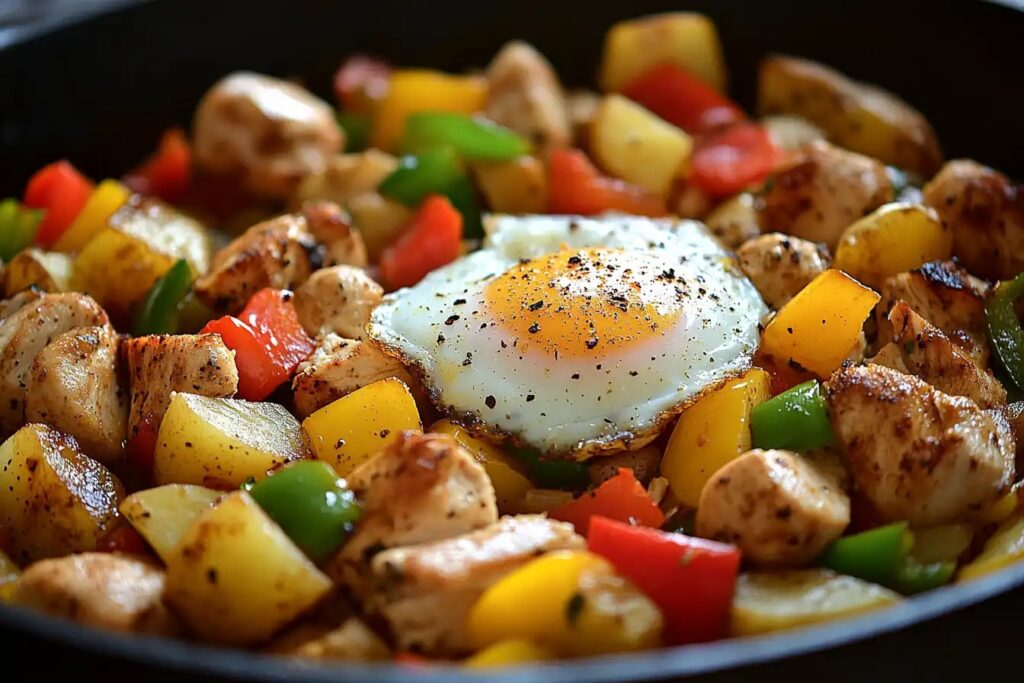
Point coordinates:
[(105, 590), (735, 220), (9, 307), (644, 463), (25, 332), (351, 641), (986, 211), (268, 133), (525, 95), (822, 191), (346, 177), (915, 452), (780, 508), (780, 266), (425, 591), (159, 364), (332, 227), (75, 388), (337, 300), (422, 487)]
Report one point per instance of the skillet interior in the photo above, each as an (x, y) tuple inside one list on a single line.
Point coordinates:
[(100, 90)]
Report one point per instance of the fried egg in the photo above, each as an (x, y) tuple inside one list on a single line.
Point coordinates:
[(575, 336)]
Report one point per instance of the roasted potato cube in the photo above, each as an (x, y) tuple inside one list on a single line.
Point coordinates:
[(380, 221), (518, 186), (235, 577), (221, 442), (55, 499), (1005, 547), (735, 220), (163, 514), (49, 271), (9, 574)]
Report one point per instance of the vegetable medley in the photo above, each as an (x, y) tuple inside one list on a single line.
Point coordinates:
[(473, 368)]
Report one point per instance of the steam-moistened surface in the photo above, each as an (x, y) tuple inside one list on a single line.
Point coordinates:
[(569, 333)]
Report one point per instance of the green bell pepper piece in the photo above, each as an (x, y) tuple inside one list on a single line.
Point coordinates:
[(436, 171), (876, 555), (552, 474), (357, 130), (795, 420), (1004, 329), (311, 504), (161, 309), (18, 226), (916, 577), (473, 138)]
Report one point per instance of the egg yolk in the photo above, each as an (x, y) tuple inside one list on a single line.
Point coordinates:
[(586, 302)]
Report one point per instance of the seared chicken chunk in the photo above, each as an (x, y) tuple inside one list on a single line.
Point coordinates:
[(735, 220), (780, 266), (279, 253), (524, 94), (985, 209), (425, 591), (267, 132), (331, 227), (337, 300), (822, 192), (115, 592), (945, 295), (643, 462), (9, 307), (74, 387), (346, 177), (160, 364), (352, 641), (25, 332), (780, 508), (915, 452), (422, 487), (337, 368)]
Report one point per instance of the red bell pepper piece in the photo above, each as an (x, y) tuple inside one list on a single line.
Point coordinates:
[(142, 445), (432, 239), (725, 162), (61, 191), (690, 579), (166, 174), (577, 187), (268, 341), (682, 99), (360, 82), (621, 498)]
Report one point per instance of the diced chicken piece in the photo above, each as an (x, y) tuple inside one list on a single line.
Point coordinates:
[(780, 266), (352, 641), (160, 364), (525, 95), (917, 453), (945, 295), (644, 463), (104, 590), (822, 192), (780, 508), (422, 487), (279, 253), (735, 220), (985, 209), (337, 368), (9, 307), (329, 225), (75, 388), (928, 353), (267, 132), (25, 332), (346, 177), (425, 591), (337, 300)]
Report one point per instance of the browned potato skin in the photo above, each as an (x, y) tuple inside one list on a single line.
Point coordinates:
[(857, 116), (822, 191), (986, 211), (103, 590), (524, 94)]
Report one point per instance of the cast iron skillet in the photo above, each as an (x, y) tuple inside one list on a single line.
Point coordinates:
[(99, 88)]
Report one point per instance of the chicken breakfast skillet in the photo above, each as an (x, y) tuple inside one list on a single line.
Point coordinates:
[(578, 423)]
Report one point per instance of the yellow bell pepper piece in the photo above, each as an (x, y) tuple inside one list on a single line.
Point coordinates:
[(1002, 509), (1004, 548), (821, 325), (508, 653), (570, 601), (9, 573), (419, 90), (510, 485), (107, 198), (350, 431), (711, 433), (893, 239)]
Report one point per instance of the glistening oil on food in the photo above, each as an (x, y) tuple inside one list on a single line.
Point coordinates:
[(472, 369)]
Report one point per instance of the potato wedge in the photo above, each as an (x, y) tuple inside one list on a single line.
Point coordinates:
[(686, 39), (1005, 547), (517, 186), (775, 601), (221, 442), (140, 242), (235, 577), (9, 573), (163, 514), (49, 271), (854, 115), (55, 499), (633, 144)]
